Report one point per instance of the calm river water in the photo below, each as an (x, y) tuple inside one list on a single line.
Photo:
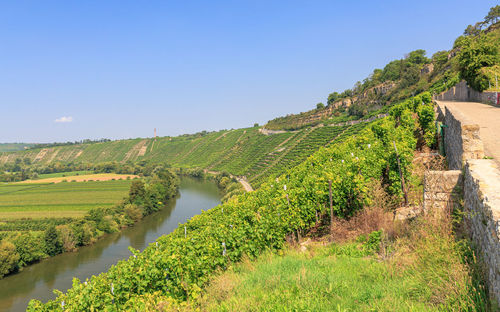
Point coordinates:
[(38, 280)]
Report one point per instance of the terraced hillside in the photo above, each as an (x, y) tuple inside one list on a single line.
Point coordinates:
[(245, 152)]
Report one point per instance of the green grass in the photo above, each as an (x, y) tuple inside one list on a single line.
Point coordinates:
[(59, 200), (324, 278)]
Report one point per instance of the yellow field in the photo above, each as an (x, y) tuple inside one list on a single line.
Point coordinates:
[(83, 178)]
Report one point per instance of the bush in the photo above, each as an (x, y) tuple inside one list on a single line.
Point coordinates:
[(133, 212)]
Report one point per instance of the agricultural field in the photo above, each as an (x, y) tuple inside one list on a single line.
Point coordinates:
[(58, 200), (61, 177)]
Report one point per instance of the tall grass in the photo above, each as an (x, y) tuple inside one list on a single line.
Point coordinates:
[(423, 267)]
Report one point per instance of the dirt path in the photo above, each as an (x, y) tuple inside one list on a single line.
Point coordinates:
[(488, 118), (245, 184)]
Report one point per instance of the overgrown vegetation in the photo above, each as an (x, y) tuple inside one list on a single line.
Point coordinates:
[(479, 52), (419, 268)]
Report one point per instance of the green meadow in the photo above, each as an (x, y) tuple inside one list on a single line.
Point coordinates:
[(67, 199)]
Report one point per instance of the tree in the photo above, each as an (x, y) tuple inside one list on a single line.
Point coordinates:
[(332, 97), (136, 191), (439, 59), (477, 53), (53, 245), (493, 15), (320, 106), (417, 57), (8, 258), (391, 71), (28, 248), (471, 31)]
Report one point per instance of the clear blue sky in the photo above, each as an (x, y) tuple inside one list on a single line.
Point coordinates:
[(118, 69)]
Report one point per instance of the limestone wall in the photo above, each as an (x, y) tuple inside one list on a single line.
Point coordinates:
[(482, 207), (442, 188), (461, 139), (463, 93)]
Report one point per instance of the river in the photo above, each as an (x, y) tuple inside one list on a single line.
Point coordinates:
[(38, 281)]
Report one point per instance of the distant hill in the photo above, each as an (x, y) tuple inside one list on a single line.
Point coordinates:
[(244, 152), (12, 147)]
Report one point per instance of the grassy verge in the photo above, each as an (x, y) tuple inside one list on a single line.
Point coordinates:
[(424, 268)]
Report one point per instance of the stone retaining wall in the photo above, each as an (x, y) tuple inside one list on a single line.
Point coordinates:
[(482, 207), (480, 183), (461, 139), (463, 93), (442, 188)]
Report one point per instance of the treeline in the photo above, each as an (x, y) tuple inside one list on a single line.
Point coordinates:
[(23, 169), (179, 264), (85, 141), (145, 196)]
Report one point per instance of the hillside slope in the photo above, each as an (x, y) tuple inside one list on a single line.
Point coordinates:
[(243, 152)]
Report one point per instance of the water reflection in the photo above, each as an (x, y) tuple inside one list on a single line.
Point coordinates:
[(38, 280)]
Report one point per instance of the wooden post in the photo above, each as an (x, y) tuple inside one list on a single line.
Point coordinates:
[(331, 201), (401, 175)]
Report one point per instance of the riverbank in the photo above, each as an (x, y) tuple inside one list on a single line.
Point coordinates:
[(47, 237), (38, 280)]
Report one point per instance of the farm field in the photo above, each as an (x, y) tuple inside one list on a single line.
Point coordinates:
[(80, 178), (58, 200)]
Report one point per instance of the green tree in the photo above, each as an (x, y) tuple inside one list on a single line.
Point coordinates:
[(493, 15), (417, 57), (137, 191), (439, 59), (320, 106), (28, 248), (332, 97), (471, 31), (53, 245), (477, 53), (8, 258)]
